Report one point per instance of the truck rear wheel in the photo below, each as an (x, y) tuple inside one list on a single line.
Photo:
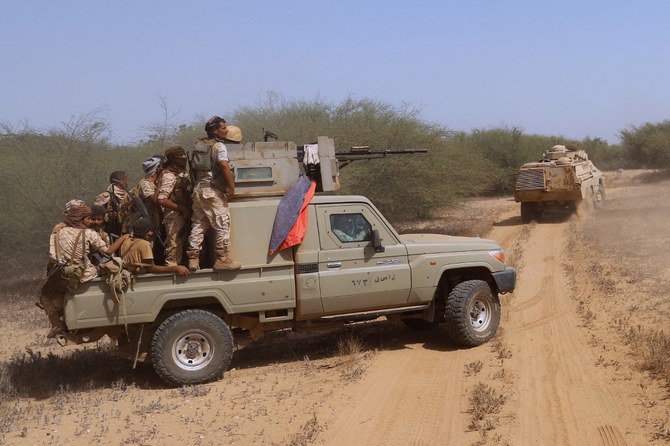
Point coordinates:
[(192, 347), (472, 313)]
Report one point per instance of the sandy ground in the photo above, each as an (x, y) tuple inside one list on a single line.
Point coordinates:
[(564, 368)]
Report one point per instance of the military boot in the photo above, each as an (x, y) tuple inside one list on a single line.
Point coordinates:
[(223, 262), (57, 324), (193, 260)]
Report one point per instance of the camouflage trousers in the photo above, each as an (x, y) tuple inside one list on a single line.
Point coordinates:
[(210, 210), (174, 224)]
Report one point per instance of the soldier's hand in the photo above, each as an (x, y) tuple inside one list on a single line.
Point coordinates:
[(182, 270)]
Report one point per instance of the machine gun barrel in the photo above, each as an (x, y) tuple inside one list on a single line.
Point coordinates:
[(345, 157)]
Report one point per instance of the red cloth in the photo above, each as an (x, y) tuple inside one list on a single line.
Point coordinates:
[(297, 232)]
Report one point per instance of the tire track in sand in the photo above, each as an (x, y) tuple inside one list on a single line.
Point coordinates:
[(562, 397)]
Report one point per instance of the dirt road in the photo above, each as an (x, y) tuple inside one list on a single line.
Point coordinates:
[(560, 372), (563, 379)]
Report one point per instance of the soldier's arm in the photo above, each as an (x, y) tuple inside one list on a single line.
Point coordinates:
[(228, 175)]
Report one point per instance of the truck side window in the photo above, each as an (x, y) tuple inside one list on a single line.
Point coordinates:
[(351, 227)]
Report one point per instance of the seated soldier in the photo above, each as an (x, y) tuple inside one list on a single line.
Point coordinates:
[(138, 255), (71, 243)]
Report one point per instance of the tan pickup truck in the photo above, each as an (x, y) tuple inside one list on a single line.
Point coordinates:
[(351, 266)]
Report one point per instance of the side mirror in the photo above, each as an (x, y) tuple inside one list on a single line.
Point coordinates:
[(377, 242)]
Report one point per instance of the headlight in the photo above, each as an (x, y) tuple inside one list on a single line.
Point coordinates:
[(498, 254)]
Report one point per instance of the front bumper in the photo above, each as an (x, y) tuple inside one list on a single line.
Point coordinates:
[(505, 280)]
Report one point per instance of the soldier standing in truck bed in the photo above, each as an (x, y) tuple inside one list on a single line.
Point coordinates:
[(213, 184), (173, 194), (113, 199)]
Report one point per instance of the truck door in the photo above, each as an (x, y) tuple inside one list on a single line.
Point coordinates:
[(352, 276)]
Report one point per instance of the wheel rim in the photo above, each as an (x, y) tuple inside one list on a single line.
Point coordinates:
[(193, 350), (480, 314), (599, 199)]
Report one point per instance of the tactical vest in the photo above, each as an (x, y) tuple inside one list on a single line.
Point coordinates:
[(202, 160), (201, 157), (182, 190)]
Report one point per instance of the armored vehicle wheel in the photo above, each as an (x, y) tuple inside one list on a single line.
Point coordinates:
[(599, 197), (472, 313), (191, 347), (527, 211)]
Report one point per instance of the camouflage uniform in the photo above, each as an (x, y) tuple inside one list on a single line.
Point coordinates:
[(114, 199), (66, 242), (210, 207), (174, 186), (69, 249)]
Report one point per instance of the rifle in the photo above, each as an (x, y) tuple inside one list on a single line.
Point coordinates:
[(112, 225), (139, 205)]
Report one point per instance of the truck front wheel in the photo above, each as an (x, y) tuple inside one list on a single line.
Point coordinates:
[(472, 313), (192, 347)]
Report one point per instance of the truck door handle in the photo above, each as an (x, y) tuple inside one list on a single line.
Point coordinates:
[(334, 264)]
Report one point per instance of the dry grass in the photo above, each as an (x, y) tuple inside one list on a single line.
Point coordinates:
[(485, 401), (350, 349), (655, 354), (501, 349), (473, 368), (309, 432)]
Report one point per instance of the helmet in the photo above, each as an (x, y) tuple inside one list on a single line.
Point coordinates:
[(234, 133)]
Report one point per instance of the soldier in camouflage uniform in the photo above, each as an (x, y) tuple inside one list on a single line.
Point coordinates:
[(211, 189), (71, 243), (174, 191), (113, 199)]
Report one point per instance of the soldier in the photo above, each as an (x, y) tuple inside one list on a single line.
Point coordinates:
[(146, 188), (173, 194), (112, 199), (71, 245), (137, 253), (212, 185), (146, 191), (98, 222)]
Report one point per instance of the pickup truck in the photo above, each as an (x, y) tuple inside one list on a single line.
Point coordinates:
[(351, 266)]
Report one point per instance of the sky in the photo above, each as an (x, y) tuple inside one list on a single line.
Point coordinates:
[(572, 68)]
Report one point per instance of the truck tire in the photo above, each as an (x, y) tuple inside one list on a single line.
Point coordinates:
[(191, 347), (527, 211), (472, 313)]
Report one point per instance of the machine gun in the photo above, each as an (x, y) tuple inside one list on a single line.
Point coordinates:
[(345, 157), (270, 167)]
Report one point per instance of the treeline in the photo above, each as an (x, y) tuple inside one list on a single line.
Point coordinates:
[(42, 170)]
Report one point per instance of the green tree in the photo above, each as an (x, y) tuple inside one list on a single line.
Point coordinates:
[(648, 145)]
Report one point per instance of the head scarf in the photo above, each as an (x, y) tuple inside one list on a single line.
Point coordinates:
[(150, 165), (75, 215), (72, 203), (176, 158)]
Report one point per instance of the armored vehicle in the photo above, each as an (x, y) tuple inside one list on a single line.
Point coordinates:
[(564, 177), (350, 266)]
